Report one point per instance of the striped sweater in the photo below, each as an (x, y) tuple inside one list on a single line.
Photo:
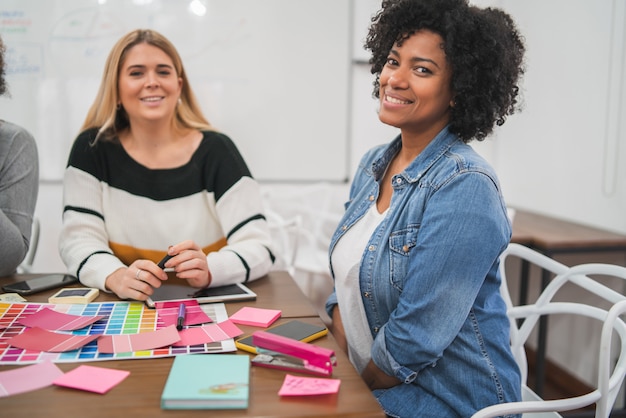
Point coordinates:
[(117, 210)]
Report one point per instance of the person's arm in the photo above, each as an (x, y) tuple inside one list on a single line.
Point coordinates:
[(248, 253), (19, 185), (84, 241), (84, 247), (375, 378), (13, 245), (336, 328)]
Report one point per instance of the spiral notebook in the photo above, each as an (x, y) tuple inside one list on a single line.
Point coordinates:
[(207, 381)]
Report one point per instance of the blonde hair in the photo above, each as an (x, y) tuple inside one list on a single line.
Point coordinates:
[(110, 119)]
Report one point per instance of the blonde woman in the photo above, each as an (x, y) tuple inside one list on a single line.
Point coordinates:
[(148, 176)]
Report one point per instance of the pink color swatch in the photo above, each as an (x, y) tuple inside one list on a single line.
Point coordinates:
[(137, 342), (28, 378), (39, 339), (208, 334), (168, 313), (57, 321)]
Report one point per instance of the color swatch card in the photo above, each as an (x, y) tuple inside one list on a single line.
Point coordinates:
[(256, 317), (117, 319), (28, 378), (128, 343), (57, 321), (38, 339), (207, 381), (208, 333), (194, 315)]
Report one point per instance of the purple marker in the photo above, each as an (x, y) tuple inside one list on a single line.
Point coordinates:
[(181, 316)]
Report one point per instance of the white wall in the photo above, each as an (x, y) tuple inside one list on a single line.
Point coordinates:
[(253, 67), (563, 155)]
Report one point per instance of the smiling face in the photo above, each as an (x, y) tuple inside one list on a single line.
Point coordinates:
[(415, 88), (148, 86)]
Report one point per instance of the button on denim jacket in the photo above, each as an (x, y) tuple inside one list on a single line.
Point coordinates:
[(430, 283)]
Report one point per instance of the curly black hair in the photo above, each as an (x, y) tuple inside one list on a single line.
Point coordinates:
[(483, 47), (3, 83)]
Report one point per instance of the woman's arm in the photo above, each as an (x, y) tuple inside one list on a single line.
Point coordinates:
[(336, 328), (19, 185)]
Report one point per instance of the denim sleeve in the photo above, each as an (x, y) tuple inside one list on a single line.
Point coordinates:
[(330, 304), (463, 231)]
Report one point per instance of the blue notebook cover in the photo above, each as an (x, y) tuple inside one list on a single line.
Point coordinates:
[(207, 381)]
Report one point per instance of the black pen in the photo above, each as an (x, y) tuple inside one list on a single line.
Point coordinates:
[(164, 260), (181, 316)]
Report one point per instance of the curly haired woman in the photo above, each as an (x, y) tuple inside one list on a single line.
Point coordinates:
[(419, 244)]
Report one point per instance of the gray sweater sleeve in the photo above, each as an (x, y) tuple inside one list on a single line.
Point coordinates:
[(19, 185)]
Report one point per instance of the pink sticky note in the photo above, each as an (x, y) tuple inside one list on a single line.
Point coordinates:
[(57, 321), (138, 342), (257, 317), (306, 386), (38, 339), (92, 379), (28, 378)]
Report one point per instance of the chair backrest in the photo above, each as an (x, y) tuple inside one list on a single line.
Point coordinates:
[(285, 236), (27, 264), (609, 377)]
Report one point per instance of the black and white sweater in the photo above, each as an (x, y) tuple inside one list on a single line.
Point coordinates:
[(117, 210)]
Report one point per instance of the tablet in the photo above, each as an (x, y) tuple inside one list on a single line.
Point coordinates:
[(173, 293)]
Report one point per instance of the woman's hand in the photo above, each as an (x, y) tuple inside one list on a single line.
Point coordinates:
[(375, 378), (189, 263), (136, 281), (336, 328)]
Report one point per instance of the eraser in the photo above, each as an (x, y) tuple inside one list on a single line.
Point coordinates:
[(81, 295), (11, 297)]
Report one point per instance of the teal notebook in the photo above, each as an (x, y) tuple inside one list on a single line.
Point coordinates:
[(207, 381)]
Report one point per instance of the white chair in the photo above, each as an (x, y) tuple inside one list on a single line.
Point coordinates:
[(285, 238), (610, 376), (27, 264)]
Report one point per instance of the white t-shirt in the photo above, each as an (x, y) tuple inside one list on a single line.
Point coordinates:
[(346, 259)]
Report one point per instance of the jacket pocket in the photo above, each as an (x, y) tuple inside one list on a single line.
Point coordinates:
[(401, 243)]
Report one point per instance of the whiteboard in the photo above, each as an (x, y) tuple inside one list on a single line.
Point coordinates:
[(273, 74)]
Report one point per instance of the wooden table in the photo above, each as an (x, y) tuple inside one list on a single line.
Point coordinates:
[(140, 393), (552, 236)]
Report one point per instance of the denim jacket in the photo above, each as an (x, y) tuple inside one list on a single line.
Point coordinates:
[(430, 283)]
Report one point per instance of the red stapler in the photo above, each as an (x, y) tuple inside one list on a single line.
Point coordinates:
[(278, 352)]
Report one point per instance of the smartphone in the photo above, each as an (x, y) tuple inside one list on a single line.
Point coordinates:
[(297, 330), (39, 284)]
